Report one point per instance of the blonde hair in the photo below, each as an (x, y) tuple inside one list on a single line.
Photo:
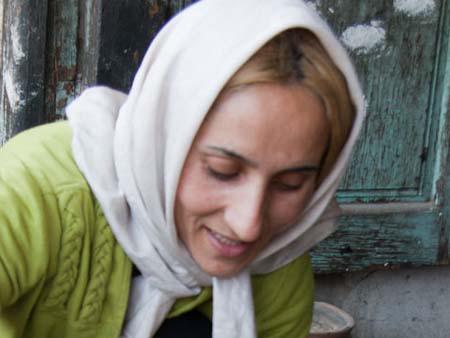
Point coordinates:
[(296, 56)]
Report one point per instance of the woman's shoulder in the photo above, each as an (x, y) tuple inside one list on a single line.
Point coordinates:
[(44, 205), (55, 242), (40, 182), (45, 154)]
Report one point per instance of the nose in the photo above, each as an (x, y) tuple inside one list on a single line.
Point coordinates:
[(245, 212)]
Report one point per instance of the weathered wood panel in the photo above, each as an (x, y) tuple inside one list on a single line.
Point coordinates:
[(127, 30), (72, 52), (380, 241), (89, 42), (61, 56), (23, 66), (1, 33), (441, 99), (178, 5), (395, 47), (401, 52)]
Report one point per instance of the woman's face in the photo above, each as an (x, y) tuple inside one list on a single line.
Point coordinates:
[(249, 174)]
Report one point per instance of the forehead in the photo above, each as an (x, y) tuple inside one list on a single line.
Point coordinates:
[(256, 120)]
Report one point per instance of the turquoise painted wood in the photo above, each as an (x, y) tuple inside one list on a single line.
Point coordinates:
[(395, 49), (396, 192), (63, 49), (380, 241), (401, 164)]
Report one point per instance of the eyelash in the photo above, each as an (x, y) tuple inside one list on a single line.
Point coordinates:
[(228, 177), (220, 176), (288, 188)]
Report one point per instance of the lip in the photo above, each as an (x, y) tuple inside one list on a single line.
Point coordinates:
[(224, 249)]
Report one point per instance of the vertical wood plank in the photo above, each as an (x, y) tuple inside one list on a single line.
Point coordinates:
[(1, 36), (62, 56), (23, 60), (127, 29), (89, 42), (178, 5), (442, 102), (73, 52)]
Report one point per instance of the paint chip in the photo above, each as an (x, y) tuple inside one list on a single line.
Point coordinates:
[(414, 7), (362, 39), (17, 48), (13, 90), (314, 5)]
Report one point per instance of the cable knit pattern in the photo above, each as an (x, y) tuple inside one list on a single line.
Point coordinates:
[(101, 266), (68, 263), (49, 225)]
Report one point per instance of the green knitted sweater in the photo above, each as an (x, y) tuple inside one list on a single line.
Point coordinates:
[(62, 273)]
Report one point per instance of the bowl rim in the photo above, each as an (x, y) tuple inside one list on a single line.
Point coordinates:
[(348, 319)]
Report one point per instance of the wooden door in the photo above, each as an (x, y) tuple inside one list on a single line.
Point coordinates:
[(396, 191)]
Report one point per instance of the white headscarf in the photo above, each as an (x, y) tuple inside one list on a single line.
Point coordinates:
[(131, 149)]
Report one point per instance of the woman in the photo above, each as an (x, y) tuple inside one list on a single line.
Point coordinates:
[(212, 177)]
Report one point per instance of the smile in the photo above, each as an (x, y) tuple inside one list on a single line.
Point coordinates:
[(226, 246), (224, 239)]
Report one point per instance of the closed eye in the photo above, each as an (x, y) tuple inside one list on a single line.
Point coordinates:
[(287, 187), (222, 176)]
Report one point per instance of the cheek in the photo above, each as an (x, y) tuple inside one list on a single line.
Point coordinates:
[(195, 195), (285, 210)]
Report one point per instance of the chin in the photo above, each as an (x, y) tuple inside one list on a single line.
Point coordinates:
[(221, 270), (223, 274)]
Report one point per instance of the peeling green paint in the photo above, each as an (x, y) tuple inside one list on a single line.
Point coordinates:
[(23, 64), (64, 51), (362, 242), (397, 75)]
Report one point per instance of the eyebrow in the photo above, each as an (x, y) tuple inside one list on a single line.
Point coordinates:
[(232, 154)]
